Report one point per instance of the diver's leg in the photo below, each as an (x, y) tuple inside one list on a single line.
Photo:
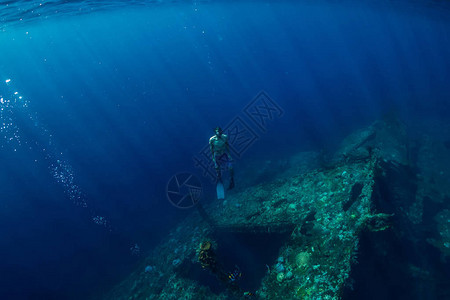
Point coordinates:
[(218, 173), (217, 167)]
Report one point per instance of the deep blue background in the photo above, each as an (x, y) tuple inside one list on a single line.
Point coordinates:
[(129, 96)]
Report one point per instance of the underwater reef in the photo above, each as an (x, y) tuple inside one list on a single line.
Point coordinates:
[(369, 221)]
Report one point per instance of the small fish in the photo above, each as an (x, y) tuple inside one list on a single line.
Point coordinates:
[(235, 275)]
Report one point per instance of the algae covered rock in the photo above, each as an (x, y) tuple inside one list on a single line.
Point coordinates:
[(302, 259), (280, 277)]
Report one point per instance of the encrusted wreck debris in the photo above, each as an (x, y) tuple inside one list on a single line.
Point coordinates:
[(319, 215)]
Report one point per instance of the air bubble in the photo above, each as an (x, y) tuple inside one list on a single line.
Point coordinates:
[(59, 168)]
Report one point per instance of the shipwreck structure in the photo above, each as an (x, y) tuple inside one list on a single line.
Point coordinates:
[(337, 227)]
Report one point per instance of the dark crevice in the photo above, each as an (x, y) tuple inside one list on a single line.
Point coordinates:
[(242, 250), (399, 263), (308, 225), (354, 195)]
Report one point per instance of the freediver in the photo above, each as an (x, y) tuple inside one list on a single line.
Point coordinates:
[(220, 151)]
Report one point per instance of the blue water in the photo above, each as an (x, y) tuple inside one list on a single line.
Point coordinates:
[(114, 98)]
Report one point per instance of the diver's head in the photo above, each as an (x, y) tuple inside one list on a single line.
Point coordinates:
[(218, 131)]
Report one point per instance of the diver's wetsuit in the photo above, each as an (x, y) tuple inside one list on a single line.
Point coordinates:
[(208, 260), (221, 155)]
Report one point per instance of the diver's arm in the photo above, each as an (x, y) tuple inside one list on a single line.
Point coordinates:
[(211, 147)]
